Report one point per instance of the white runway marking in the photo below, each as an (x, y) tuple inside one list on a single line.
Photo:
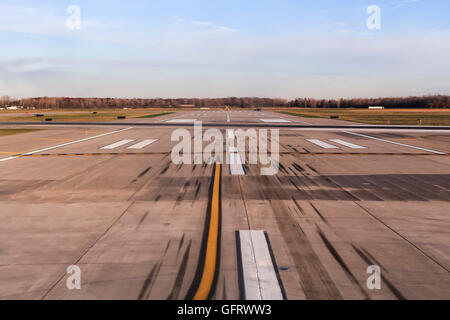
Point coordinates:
[(230, 134), (236, 168), (6, 159), (228, 117), (347, 144), (143, 144), (235, 160), (322, 144), (117, 144), (275, 120), (396, 143), (259, 274), (181, 121), (68, 143)]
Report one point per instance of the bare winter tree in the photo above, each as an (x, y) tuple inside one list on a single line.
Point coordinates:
[(5, 100), (437, 101)]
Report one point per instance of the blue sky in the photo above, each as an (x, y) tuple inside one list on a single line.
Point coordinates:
[(211, 48)]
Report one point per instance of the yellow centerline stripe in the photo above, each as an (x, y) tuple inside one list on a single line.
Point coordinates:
[(209, 269)]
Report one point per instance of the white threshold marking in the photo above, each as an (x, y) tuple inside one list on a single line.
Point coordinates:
[(322, 144), (236, 163), (235, 159), (117, 144), (228, 117), (143, 144), (67, 144), (347, 144), (396, 143), (259, 274), (275, 120), (181, 121), (230, 134)]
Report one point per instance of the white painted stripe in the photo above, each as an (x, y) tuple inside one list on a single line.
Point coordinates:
[(143, 144), (348, 144), (275, 120), (230, 134), (260, 278), (236, 164), (117, 144), (181, 121), (9, 158), (396, 143), (68, 144), (228, 117), (322, 144)]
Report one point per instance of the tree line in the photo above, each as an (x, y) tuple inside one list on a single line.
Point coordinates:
[(435, 101)]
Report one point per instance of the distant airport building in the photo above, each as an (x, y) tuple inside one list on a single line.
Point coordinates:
[(376, 108), (13, 107)]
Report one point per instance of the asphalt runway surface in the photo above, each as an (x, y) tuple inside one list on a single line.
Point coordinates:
[(109, 200)]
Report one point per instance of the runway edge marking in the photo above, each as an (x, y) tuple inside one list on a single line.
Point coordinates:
[(66, 144), (396, 143)]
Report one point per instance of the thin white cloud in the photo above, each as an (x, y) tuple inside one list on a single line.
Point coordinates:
[(404, 3), (355, 32), (204, 25)]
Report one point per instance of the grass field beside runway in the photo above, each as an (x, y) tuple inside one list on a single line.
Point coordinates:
[(434, 117), (8, 132), (83, 116)]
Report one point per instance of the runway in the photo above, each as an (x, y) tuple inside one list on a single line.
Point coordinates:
[(108, 199)]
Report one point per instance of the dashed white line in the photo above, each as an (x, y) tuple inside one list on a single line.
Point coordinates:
[(347, 144), (322, 144), (258, 271), (396, 143), (117, 144), (143, 144)]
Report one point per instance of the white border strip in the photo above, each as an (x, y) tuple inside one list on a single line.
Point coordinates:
[(116, 144), (259, 275), (347, 144), (67, 144), (178, 121), (322, 144), (143, 144), (275, 120), (396, 143)]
